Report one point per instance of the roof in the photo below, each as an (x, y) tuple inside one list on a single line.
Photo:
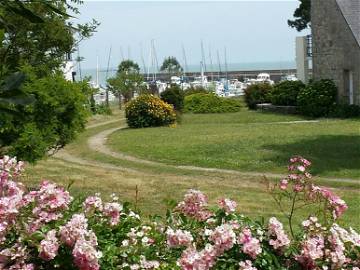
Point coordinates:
[(351, 12)]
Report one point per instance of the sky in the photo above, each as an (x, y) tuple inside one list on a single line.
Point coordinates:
[(251, 31)]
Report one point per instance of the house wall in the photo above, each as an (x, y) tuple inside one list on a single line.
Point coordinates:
[(335, 49)]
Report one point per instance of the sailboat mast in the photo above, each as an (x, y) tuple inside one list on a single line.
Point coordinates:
[(150, 62), (122, 54), (218, 59), (226, 67), (211, 65), (186, 69), (203, 55), (107, 72), (155, 60), (142, 58)]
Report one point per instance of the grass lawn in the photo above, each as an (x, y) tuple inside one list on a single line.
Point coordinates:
[(248, 141), (159, 183)]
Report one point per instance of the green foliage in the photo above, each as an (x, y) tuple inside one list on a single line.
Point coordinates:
[(210, 103), (149, 111), (256, 94), (38, 33), (345, 111), (55, 117), (102, 109), (171, 65), (127, 80), (195, 90), (175, 96), (317, 98), (128, 66), (285, 93), (302, 16)]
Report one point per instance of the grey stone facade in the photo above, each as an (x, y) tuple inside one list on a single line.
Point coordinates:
[(336, 45)]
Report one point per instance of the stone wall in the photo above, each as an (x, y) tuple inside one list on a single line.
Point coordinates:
[(335, 48)]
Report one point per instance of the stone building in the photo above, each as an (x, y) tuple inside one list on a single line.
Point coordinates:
[(336, 45)]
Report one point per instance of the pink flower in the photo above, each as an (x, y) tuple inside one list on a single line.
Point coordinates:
[(178, 238), (112, 210), (336, 204), (276, 231), (251, 245), (194, 205), (284, 184), (194, 260), (86, 257), (49, 246), (93, 203), (75, 229), (223, 237), (247, 265), (50, 200), (228, 205)]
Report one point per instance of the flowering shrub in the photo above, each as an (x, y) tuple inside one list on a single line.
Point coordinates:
[(46, 228), (149, 111)]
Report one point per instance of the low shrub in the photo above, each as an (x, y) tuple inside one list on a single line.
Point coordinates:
[(210, 103), (345, 111), (285, 93), (195, 90), (256, 94), (102, 109), (174, 95), (47, 229), (317, 98), (149, 111)]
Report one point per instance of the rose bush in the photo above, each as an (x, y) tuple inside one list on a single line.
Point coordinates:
[(46, 228)]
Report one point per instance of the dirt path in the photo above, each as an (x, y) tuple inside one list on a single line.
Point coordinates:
[(98, 143)]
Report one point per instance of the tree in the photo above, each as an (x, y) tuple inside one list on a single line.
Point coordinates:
[(39, 110), (48, 123), (302, 16), (171, 66), (127, 80), (38, 33)]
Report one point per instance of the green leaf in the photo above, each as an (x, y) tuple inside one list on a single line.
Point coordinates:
[(26, 13), (13, 81), (18, 100)]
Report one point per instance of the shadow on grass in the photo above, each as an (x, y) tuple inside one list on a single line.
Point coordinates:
[(328, 153)]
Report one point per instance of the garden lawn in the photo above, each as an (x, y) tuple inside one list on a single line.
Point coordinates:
[(157, 184), (249, 141)]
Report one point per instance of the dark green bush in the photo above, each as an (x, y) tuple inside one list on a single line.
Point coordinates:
[(256, 94), (345, 111), (285, 93), (149, 111), (211, 103), (174, 95), (317, 98), (58, 113), (195, 90)]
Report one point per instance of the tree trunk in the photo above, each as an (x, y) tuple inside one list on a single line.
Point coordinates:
[(119, 97)]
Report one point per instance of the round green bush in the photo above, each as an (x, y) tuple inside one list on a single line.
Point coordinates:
[(149, 111), (285, 93), (256, 94), (210, 103), (317, 98), (174, 95)]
